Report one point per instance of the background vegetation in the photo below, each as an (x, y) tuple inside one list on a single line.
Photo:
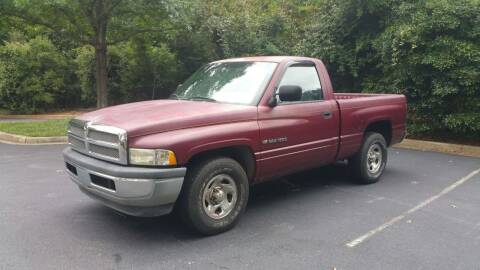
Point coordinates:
[(41, 128), (61, 54)]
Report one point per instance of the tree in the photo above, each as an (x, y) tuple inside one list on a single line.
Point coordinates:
[(98, 23), (341, 33), (255, 27)]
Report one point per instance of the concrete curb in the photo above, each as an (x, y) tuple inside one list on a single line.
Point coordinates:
[(448, 148), (19, 139)]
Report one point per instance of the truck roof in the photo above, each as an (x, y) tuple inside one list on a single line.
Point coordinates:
[(276, 59)]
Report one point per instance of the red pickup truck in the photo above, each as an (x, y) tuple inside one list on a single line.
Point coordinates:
[(233, 123)]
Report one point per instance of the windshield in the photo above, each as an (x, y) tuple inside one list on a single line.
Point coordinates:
[(229, 82)]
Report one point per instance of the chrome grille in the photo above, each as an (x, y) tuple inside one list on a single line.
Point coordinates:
[(105, 151), (76, 143), (102, 136), (100, 141), (76, 127)]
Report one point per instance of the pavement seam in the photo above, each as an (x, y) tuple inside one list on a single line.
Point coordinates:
[(419, 206)]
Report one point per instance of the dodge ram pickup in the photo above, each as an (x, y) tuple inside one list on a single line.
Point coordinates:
[(233, 123)]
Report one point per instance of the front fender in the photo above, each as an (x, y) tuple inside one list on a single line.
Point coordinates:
[(186, 143)]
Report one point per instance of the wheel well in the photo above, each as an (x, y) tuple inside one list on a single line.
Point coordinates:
[(383, 127), (242, 154)]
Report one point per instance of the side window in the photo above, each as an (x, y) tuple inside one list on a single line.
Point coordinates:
[(307, 78)]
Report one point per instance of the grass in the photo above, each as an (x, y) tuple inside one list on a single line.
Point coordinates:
[(46, 128)]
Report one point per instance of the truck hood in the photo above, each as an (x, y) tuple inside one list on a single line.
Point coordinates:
[(150, 117)]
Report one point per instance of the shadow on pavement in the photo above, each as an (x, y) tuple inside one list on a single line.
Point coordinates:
[(262, 195)]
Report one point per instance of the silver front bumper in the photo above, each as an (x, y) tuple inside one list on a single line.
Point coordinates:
[(135, 191)]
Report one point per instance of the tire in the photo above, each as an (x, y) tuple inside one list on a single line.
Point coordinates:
[(365, 170), (214, 195)]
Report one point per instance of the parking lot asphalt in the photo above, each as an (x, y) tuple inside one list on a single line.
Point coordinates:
[(304, 221)]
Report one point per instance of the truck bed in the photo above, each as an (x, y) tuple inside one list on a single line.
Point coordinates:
[(358, 110)]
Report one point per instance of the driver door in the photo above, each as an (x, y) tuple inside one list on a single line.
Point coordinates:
[(302, 134)]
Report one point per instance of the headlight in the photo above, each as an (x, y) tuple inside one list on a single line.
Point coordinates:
[(152, 157)]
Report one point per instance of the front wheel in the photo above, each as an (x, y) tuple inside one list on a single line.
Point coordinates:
[(369, 163), (214, 195)]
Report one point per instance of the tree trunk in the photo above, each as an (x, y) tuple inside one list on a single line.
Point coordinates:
[(101, 75)]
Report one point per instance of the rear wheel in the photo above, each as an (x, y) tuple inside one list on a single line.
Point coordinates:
[(369, 163), (214, 195)]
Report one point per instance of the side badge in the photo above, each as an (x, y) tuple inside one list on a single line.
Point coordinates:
[(275, 140)]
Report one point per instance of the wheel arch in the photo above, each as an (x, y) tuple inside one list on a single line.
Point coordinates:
[(384, 127), (243, 154)]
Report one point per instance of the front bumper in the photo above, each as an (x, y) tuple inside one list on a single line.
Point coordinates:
[(134, 191)]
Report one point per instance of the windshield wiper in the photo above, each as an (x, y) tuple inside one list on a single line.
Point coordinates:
[(203, 98)]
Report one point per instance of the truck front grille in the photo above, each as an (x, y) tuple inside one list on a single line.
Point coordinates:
[(74, 129), (102, 136), (100, 141), (104, 151), (76, 143)]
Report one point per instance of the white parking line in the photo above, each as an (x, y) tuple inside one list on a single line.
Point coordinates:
[(419, 206)]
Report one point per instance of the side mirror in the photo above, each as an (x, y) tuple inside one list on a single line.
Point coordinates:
[(290, 93)]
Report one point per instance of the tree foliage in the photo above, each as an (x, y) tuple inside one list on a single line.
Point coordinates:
[(342, 36), (428, 50), (34, 75), (98, 23)]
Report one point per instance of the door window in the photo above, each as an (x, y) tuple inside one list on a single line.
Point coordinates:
[(307, 78)]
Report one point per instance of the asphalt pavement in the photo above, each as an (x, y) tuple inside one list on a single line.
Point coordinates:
[(423, 214)]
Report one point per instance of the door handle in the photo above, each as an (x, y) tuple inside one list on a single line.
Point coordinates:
[(327, 115)]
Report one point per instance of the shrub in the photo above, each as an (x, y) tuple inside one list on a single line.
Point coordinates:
[(428, 50), (431, 53), (33, 76)]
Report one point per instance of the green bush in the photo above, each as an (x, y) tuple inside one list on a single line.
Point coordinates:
[(430, 52), (33, 76)]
